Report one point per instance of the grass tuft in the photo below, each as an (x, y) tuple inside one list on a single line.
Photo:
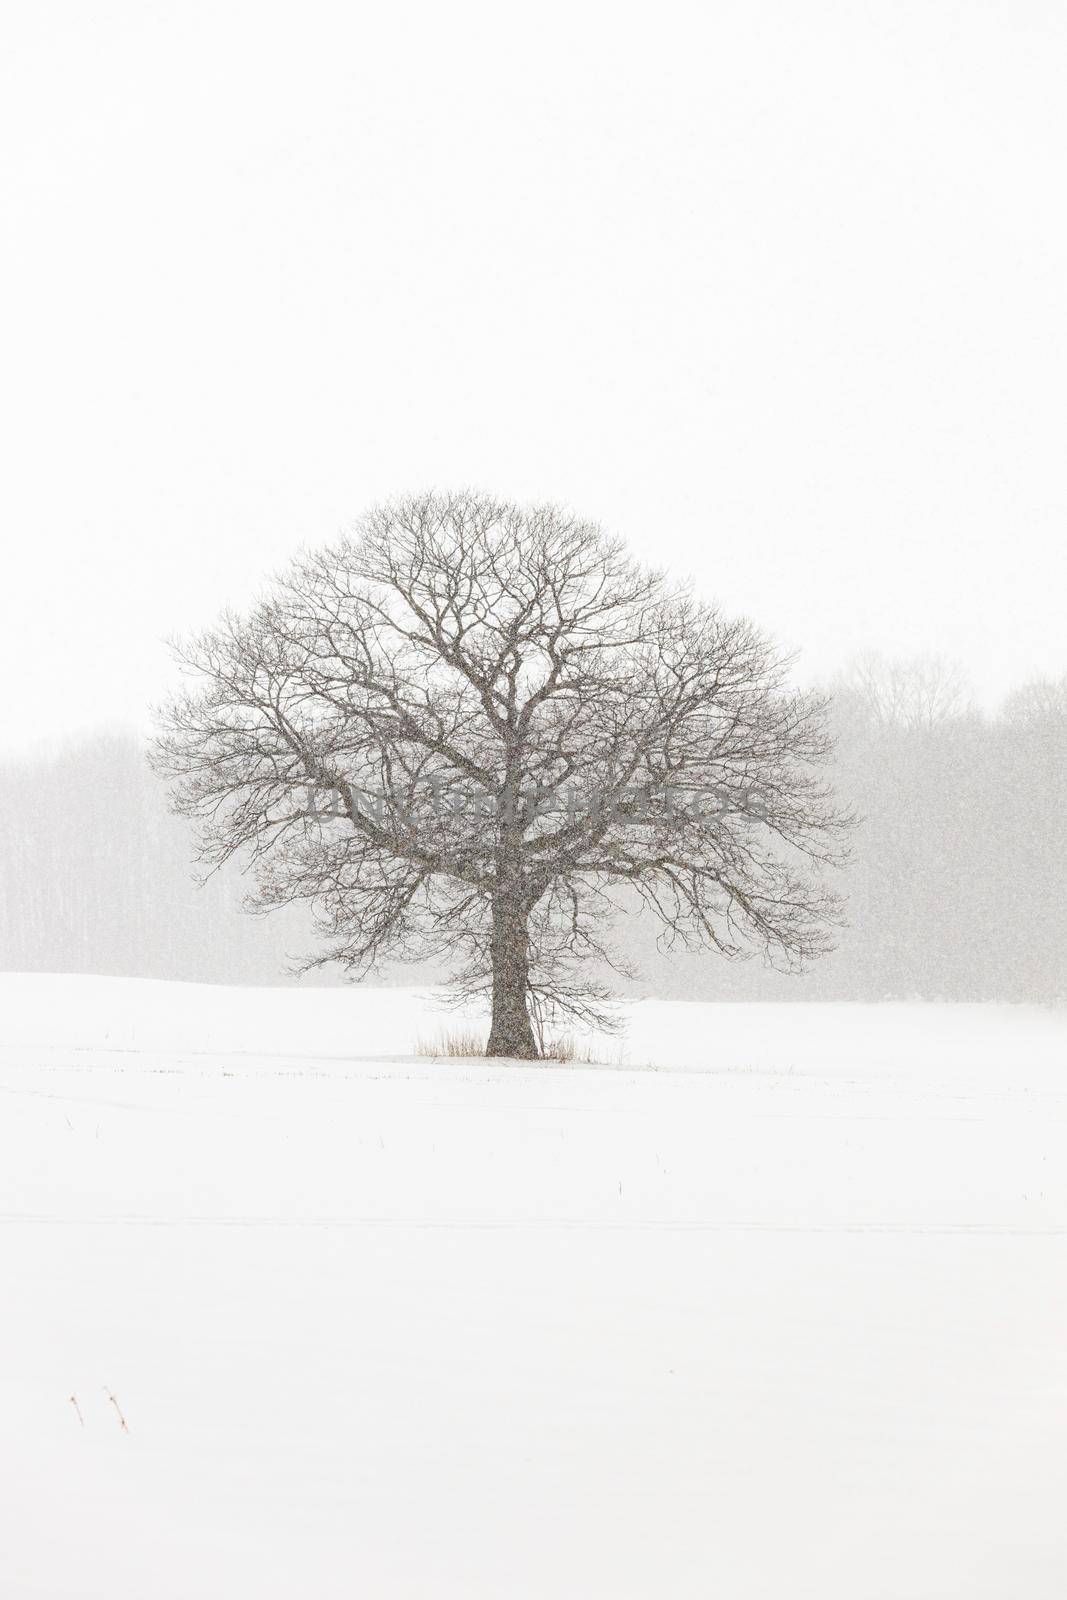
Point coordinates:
[(464, 1042), (459, 1042)]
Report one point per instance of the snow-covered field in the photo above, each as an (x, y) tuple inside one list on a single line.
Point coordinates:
[(785, 1318)]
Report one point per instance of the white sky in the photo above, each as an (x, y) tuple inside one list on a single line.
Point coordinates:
[(775, 291)]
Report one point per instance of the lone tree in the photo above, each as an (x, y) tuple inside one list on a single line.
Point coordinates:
[(500, 720)]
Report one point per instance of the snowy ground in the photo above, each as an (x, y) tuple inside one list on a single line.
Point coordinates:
[(786, 1319)]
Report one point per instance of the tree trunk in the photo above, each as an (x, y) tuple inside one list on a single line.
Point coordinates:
[(511, 1033)]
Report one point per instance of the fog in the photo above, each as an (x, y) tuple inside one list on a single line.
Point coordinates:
[(775, 293)]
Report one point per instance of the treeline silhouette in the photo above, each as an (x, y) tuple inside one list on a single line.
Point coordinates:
[(957, 888), (97, 876)]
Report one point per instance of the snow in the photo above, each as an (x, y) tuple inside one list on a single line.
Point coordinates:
[(782, 1317)]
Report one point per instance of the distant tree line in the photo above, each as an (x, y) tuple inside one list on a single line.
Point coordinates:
[(95, 877), (957, 888)]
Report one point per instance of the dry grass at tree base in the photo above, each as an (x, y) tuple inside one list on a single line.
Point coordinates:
[(463, 1043), (458, 1042)]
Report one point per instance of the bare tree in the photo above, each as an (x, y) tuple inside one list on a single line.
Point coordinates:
[(921, 692), (1040, 701), (500, 717)]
